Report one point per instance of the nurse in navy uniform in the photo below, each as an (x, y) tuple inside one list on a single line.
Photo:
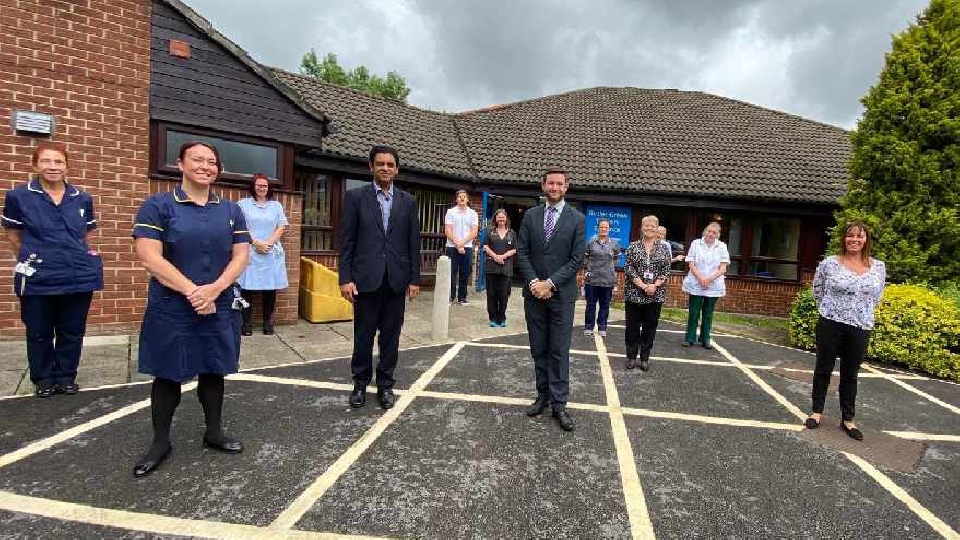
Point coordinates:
[(194, 245), (49, 224)]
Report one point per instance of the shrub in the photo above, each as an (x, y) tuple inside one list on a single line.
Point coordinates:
[(914, 327)]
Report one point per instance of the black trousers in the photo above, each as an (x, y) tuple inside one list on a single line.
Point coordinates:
[(549, 324), (498, 292), (850, 343), (269, 303), (378, 311), (60, 316), (642, 321)]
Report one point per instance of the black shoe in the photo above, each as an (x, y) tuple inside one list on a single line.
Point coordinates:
[(358, 398), (386, 397), (811, 423), (538, 405), (631, 363), (147, 465), (563, 418), (246, 330), (224, 444), (267, 328), (853, 432), (644, 365), (686, 344), (707, 346), (45, 390), (68, 389)]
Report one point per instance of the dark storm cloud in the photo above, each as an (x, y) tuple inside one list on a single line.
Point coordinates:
[(814, 58)]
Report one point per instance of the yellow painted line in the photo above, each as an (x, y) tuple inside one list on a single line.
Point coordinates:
[(906, 386), (918, 436), (718, 420), (292, 514), (761, 383), (713, 363), (325, 385), (666, 331), (504, 400), (44, 444), (151, 523), (523, 347), (942, 528), (908, 375), (640, 525)]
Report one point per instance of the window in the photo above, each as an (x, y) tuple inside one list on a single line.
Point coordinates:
[(433, 207), (241, 160), (765, 247), (317, 230)]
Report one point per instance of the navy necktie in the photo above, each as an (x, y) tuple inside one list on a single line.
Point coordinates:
[(551, 221)]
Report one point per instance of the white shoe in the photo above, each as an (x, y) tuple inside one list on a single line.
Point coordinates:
[(588, 332), (603, 333)]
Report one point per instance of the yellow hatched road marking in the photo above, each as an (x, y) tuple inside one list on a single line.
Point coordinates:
[(906, 386), (640, 524)]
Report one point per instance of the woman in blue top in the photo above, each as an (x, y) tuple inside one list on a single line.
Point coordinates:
[(267, 271), (49, 225), (194, 245), (847, 288)]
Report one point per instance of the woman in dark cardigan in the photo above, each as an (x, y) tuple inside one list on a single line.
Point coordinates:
[(500, 248)]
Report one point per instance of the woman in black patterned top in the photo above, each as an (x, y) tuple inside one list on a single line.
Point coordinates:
[(500, 248), (648, 264)]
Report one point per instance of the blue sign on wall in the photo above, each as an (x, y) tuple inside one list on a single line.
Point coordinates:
[(619, 217)]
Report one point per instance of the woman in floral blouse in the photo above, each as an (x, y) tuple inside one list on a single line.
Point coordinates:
[(847, 288), (648, 264)]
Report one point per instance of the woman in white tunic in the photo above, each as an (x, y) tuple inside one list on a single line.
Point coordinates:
[(707, 259), (267, 271)]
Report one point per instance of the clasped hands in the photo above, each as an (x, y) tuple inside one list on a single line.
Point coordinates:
[(648, 289), (541, 289), (261, 247), (203, 299)]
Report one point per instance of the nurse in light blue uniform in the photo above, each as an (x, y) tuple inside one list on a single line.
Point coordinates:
[(49, 224), (194, 245), (267, 271)]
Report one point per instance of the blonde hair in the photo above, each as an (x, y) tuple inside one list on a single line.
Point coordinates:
[(712, 224), (648, 219)]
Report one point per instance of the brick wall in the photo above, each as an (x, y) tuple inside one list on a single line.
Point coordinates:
[(287, 311), (744, 295), (87, 62)]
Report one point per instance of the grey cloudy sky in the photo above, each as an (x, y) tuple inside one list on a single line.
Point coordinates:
[(814, 58)]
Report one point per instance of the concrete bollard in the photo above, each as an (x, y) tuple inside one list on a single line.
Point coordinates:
[(441, 300)]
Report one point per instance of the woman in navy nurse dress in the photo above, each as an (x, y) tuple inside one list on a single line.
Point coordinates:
[(194, 245)]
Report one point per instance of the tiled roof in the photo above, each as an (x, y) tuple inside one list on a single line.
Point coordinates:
[(427, 140), (624, 139), (660, 141)]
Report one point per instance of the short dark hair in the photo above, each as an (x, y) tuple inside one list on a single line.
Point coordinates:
[(555, 170), (252, 188), (384, 149), (190, 144)]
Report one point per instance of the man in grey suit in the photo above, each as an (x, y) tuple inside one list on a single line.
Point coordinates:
[(550, 251)]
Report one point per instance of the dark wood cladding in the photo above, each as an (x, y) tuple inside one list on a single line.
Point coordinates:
[(213, 89)]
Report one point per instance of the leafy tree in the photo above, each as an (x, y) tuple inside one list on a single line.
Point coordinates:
[(906, 148), (392, 86)]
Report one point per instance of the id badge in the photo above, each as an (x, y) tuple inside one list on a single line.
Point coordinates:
[(648, 275)]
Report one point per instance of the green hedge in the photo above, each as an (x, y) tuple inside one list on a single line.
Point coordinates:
[(914, 327)]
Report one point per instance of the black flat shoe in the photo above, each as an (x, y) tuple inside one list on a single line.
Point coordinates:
[(644, 365), (68, 389), (268, 329), (358, 398), (811, 423), (146, 465), (246, 330), (386, 398), (563, 418), (685, 344), (537, 407), (631, 363), (45, 391), (854, 433), (707, 346), (225, 445)]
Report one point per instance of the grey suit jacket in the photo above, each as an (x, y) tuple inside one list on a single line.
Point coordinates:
[(557, 260)]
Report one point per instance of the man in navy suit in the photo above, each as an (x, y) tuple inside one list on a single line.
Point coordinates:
[(379, 266), (550, 251)]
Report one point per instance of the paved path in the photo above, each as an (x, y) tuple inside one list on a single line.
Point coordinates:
[(707, 444)]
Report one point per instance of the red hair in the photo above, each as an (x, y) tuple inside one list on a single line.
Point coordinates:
[(50, 145)]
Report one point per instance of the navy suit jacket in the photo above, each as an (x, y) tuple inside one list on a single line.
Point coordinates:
[(368, 252), (560, 258)]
